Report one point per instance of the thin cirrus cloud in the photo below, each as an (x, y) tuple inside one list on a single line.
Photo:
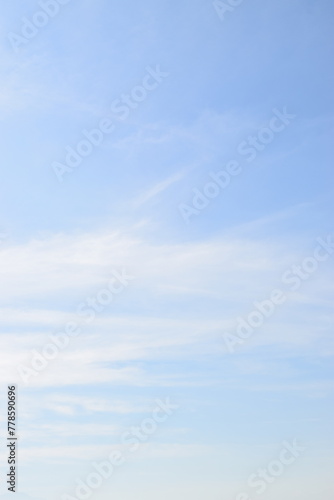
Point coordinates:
[(133, 338), (163, 336), (158, 188)]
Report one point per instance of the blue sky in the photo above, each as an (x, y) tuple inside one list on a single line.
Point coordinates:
[(163, 335)]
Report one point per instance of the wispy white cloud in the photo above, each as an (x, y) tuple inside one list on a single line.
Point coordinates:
[(112, 348), (68, 454), (159, 188)]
